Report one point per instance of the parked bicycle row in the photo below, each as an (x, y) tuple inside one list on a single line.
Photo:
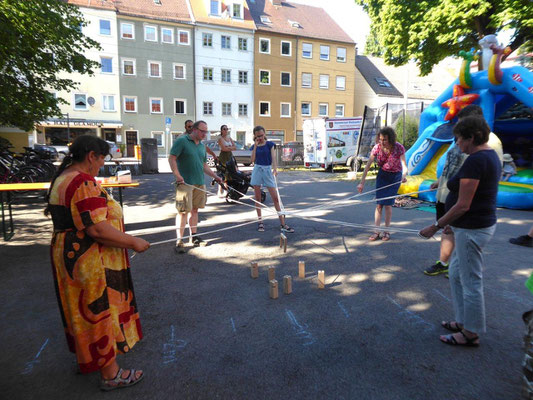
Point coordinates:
[(27, 167)]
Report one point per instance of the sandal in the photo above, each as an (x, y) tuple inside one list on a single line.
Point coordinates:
[(287, 228), (470, 342), (451, 326), (386, 236), (119, 382), (260, 227), (375, 236)]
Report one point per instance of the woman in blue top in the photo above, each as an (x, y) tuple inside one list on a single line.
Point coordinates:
[(264, 160)]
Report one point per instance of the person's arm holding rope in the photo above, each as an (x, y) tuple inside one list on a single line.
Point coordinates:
[(173, 161), (361, 185), (208, 171), (252, 158), (404, 168)]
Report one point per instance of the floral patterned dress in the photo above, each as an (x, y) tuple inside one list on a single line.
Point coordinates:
[(93, 282)]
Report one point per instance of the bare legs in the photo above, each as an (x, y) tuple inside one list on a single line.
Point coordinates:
[(275, 199), (379, 212), (181, 222)]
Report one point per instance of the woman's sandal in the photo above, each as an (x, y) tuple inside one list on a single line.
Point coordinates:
[(470, 342), (260, 227), (375, 236), (451, 326), (287, 228), (119, 382), (386, 236)]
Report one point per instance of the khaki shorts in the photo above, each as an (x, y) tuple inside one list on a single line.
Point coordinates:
[(190, 197)]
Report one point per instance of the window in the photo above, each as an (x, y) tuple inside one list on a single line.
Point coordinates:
[(323, 109), (106, 65), (306, 108), (237, 11), (150, 33), (207, 39), (108, 102), (264, 46), (339, 110), (383, 82), (159, 137), (208, 74), (130, 104), (179, 71), (285, 79), (183, 37), (243, 77), (180, 106), (167, 35), (208, 108), (243, 110), (243, 44), (127, 31), (154, 69), (264, 108), (128, 67), (340, 83), (214, 7), (341, 54), (105, 27), (324, 82), (324, 53), (306, 80), (80, 101), (264, 77), (286, 48), (285, 110), (226, 109), (156, 105), (307, 50), (265, 19), (226, 42), (226, 75)]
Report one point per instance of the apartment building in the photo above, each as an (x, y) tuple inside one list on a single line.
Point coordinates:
[(224, 57)]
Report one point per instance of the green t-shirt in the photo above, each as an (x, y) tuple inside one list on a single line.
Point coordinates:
[(191, 158), (529, 283)]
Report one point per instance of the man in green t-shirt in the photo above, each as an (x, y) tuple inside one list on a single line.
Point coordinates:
[(187, 161)]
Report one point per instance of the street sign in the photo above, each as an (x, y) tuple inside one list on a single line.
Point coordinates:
[(168, 121)]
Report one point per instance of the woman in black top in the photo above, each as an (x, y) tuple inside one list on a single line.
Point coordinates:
[(471, 213)]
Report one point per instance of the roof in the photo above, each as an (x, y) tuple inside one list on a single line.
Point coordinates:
[(201, 15), (169, 10), (297, 19), (374, 77), (101, 4)]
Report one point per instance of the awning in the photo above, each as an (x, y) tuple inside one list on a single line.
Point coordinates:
[(81, 123)]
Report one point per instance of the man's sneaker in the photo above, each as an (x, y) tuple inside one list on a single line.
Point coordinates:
[(180, 247), (437, 268), (197, 241), (524, 240)]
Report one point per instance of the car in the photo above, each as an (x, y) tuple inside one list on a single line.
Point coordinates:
[(242, 155), (292, 151), (46, 152)]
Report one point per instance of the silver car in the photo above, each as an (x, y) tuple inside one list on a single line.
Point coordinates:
[(242, 154)]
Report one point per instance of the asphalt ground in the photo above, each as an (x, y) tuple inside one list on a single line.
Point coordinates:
[(212, 332)]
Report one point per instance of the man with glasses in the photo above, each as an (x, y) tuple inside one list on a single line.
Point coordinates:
[(187, 161), (188, 130)]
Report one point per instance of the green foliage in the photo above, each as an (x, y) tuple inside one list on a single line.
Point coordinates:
[(411, 130), (38, 40), (431, 30), (372, 46)]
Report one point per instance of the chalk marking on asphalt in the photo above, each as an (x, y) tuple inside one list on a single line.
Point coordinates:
[(233, 325), (442, 295), (510, 296), (170, 348), (411, 316), (300, 329), (30, 364), (341, 306)]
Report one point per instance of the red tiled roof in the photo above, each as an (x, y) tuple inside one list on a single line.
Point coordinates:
[(313, 22), (101, 4), (171, 10)]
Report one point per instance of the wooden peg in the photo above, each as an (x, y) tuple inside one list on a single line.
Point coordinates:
[(321, 279), (271, 273), (273, 289), (283, 242), (254, 269), (287, 284), (301, 269)]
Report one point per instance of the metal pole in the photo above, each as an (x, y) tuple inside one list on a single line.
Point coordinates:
[(68, 129)]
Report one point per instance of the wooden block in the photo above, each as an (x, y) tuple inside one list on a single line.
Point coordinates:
[(283, 242), (321, 279), (254, 269), (271, 273), (287, 284), (273, 289), (301, 269)]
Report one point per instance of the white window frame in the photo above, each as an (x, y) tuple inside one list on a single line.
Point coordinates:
[(100, 27), (134, 66), (239, 110), (303, 50), (174, 65), (124, 103), (222, 75), (345, 54), (86, 101), (310, 109), (210, 36), (339, 105), (281, 78), (269, 77), (224, 114), (320, 86), (105, 72), (171, 34), (233, 11), (114, 103), (218, 7), (203, 107), (150, 103), (178, 39), (281, 110), (228, 41), (212, 74), (337, 82), (269, 44), (184, 106), (269, 110), (155, 31), (329, 50), (327, 109), (239, 78), (153, 133), (132, 30), (310, 80), (281, 48), (242, 40), (150, 69)]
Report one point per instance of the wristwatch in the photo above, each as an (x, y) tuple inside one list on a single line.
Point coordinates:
[(436, 224)]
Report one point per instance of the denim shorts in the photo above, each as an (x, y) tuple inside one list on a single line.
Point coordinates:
[(262, 175)]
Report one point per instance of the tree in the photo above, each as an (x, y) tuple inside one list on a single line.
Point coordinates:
[(38, 40), (431, 30), (372, 46)]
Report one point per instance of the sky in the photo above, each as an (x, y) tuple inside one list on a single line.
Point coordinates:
[(350, 17)]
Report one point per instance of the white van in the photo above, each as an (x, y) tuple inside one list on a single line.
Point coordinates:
[(330, 141)]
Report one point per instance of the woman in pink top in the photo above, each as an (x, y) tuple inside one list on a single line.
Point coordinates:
[(390, 157)]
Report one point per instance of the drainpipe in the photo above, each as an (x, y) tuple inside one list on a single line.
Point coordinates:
[(194, 69), (295, 113)]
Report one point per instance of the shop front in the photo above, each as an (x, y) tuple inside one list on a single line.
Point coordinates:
[(61, 132)]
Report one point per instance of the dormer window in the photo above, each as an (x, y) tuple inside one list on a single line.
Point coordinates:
[(237, 11), (383, 82), (157, 2), (265, 19), (294, 24), (215, 7)]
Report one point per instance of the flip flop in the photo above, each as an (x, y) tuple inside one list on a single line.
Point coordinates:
[(260, 227)]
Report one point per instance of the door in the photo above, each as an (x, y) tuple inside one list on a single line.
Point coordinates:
[(131, 142)]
